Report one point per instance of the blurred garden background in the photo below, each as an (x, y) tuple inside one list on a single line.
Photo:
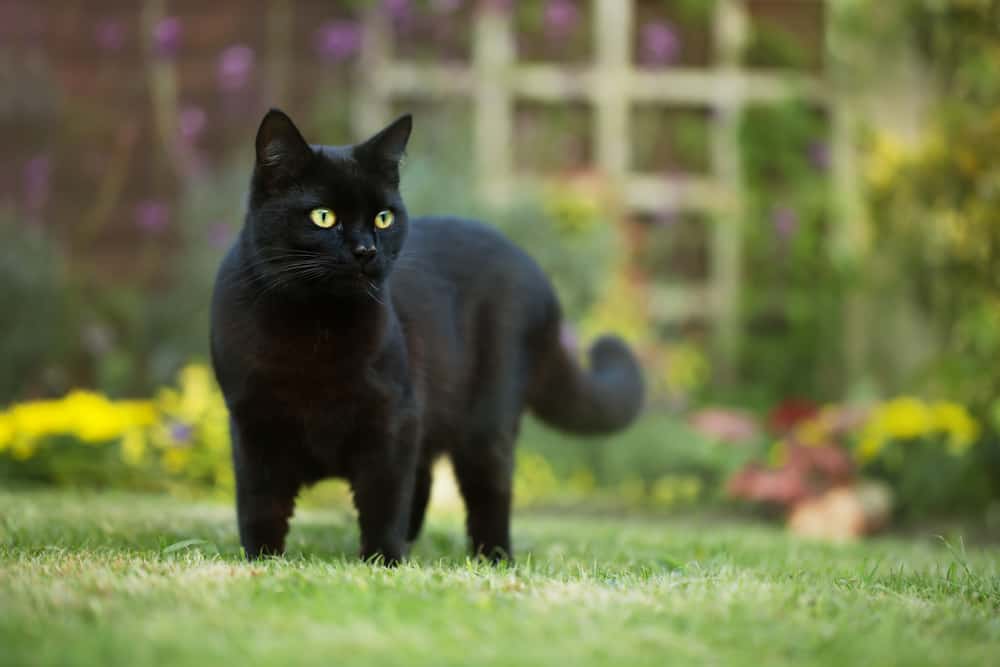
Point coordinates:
[(790, 207)]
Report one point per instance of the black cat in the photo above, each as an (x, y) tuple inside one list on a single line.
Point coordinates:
[(351, 341)]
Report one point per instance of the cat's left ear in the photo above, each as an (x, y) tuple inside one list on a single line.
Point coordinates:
[(282, 153), (386, 148)]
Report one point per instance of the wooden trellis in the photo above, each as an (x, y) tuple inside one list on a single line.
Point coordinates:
[(611, 84)]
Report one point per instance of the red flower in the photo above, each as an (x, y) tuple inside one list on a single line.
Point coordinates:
[(787, 414)]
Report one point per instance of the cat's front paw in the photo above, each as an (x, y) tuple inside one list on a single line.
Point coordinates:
[(386, 556)]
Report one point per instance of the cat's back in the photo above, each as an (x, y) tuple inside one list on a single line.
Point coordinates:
[(471, 256)]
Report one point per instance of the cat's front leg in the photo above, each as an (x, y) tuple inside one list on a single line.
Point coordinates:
[(265, 490), (383, 484)]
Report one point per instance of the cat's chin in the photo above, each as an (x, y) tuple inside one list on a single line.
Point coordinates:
[(358, 286)]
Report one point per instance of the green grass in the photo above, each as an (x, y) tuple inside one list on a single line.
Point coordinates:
[(133, 580)]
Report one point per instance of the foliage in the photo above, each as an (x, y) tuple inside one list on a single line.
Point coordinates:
[(793, 291), (934, 205), (86, 439), (927, 451), (33, 301), (658, 463), (562, 226), (923, 450), (179, 441)]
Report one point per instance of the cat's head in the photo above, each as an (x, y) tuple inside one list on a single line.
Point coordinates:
[(326, 217)]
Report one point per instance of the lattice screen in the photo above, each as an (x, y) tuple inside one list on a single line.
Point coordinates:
[(611, 84)]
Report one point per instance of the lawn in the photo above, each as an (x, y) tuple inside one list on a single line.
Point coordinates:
[(113, 579)]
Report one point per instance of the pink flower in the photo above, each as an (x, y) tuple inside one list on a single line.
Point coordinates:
[(819, 155), (235, 68), (397, 9), (337, 41), (661, 45), (732, 426), (152, 216), (786, 221), (561, 17), (192, 121), (568, 337), (167, 36)]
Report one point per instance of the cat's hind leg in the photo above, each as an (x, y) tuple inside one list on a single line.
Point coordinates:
[(421, 497)]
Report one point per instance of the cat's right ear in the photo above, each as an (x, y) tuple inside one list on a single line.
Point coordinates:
[(282, 153)]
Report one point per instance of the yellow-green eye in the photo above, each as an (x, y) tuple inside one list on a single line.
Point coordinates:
[(384, 219), (323, 217)]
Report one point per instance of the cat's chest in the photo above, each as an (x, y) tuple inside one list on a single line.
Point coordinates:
[(329, 419), (319, 353)]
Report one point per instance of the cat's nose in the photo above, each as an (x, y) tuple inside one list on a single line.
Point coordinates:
[(364, 253)]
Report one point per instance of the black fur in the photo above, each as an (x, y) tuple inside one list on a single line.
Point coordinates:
[(336, 363)]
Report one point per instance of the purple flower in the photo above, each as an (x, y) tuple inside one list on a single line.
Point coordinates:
[(561, 17), (397, 9), (181, 433), (152, 216), (167, 37), (37, 178), (661, 45), (235, 67), (192, 121), (819, 155), (337, 41), (109, 35), (220, 234), (785, 220)]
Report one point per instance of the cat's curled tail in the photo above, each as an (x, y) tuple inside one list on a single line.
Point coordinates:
[(602, 398)]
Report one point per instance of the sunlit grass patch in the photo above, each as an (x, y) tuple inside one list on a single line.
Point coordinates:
[(124, 579)]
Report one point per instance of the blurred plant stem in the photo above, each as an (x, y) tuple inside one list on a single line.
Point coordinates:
[(162, 77), (109, 192)]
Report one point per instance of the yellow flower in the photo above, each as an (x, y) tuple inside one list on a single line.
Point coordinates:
[(887, 156), (534, 478), (621, 309), (196, 392), (92, 418), (6, 431), (223, 476), (133, 447), (870, 446), (632, 490), (581, 482), (905, 418), (908, 418), (955, 421), (23, 449), (573, 212), (36, 419), (816, 430), (176, 459), (88, 416), (685, 368)]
